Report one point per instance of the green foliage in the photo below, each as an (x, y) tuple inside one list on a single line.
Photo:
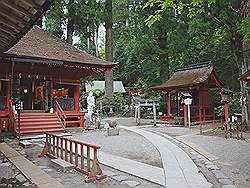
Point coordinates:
[(54, 19), (245, 28), (151, 38)]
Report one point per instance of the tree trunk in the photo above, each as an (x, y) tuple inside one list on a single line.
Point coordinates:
[(244, 67), (96, 41), (109, 51), (70, 24), (70, 31), (163, 56)]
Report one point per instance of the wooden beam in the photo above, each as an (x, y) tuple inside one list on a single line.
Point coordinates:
[(7, 30), (4, 35), (10, 24), (3, 40), (12, 16), (11, 4), (2, 32), (31, 3)]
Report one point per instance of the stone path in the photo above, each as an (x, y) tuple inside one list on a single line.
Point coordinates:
[(35, 174), (148, 172), (179, 169)]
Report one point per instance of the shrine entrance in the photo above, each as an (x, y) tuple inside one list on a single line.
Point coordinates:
[(33, 94)]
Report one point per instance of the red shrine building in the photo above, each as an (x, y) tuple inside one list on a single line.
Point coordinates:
[(44, 73), (194, 81)]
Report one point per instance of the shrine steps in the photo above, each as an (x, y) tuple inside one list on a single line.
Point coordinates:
[(38, 122)]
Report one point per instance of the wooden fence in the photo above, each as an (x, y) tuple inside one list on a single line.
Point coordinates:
[(82, 155)]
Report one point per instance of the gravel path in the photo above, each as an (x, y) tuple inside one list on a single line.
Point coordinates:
[(233, 156), (128, 145)]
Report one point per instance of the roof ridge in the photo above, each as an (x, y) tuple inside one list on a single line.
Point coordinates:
[(195, 66)]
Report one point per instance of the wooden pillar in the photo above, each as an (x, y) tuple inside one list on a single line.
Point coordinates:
[(51, 93), (185, 113), (226, 112), (200, 114), (169, 104), (8, 97), (204, 114), (77, 98), (129, 98)]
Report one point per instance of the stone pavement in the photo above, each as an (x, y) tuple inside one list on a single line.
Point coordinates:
[(179, 169), (141, 170), (28, 169)]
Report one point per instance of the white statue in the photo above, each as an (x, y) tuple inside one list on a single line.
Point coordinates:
[(90, 103)]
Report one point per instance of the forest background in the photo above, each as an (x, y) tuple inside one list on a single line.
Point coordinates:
[(151, 38)]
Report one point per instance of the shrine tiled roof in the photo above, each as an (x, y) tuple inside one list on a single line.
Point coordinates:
[(39, 44), (187, 76)]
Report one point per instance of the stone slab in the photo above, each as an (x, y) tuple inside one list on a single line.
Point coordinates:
[(131, 183), (147, 172), (25, 144), (109, 173), (62, 165), (120, 178), (112, 131)]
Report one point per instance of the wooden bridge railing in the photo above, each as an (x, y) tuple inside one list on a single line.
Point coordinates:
[(82, 155), (60, 113)]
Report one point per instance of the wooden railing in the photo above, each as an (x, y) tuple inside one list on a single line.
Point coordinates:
[(60, 113), (75, 152)]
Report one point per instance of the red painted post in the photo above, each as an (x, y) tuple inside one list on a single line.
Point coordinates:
[(70, 152), (76, 154), (61, 143), (57, 146), (200, 119), (88, 158), (200, 115), (204, 114), (226, 112), (95, 154), (46, 137), (54, 143), (66, 150), (77, 98), (50, 143), (81, 122), (169, 104), (82, 157), (185, 114)]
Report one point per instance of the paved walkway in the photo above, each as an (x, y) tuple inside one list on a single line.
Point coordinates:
[(32, 172), (180, 171), (148, 172)]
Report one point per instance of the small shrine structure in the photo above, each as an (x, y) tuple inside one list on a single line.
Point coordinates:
[(195, 79)]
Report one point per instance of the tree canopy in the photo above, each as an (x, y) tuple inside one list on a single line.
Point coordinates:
[(151, 38)]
